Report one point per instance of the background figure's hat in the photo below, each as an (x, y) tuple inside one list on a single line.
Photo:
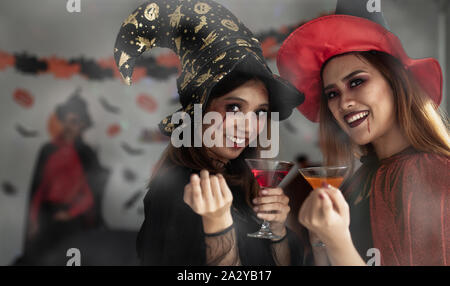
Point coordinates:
[(77, 105), (354, 28), (210, 42)]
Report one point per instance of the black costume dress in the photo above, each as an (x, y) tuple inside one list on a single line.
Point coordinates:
[(172, 233)]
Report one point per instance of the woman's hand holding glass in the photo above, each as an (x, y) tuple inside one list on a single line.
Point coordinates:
[(273, 206), (210, 197), (326, 214)]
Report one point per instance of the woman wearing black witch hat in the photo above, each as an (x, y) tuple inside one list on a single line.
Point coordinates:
[(198, 209)]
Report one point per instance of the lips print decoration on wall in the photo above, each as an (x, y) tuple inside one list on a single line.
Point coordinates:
[(23, 98), (147, 102)]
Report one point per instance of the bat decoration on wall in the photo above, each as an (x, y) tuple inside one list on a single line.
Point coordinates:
[(25, 132), (9, 189), (152, 136), (109, 107), (130, 150), (133, 199), (29, 64), (92, 70), (129, 175)]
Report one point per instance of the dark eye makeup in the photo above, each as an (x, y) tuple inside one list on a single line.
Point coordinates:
[(353, 83)]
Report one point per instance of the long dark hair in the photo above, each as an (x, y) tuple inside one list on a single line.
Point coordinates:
[(235, 171)]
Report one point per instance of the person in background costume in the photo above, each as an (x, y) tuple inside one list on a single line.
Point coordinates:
[(67, 185), (198, 209), (374, 101)]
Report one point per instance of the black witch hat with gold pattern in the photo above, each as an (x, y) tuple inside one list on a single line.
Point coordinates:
[(210, 42)]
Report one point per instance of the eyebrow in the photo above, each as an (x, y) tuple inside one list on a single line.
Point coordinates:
[(344, 78), (242, 100)]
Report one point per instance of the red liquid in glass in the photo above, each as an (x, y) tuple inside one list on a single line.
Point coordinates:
[(269, 178)]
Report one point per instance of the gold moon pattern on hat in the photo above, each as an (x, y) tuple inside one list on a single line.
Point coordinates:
[(152, 12), (202, 8), (230, 25)]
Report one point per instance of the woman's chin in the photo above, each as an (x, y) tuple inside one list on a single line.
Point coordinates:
[(361, 140)]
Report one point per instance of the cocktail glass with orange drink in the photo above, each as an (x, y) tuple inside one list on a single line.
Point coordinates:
[(333, 175)]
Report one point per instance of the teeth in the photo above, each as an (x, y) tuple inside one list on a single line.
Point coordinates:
[(236, 140), (357, 116)]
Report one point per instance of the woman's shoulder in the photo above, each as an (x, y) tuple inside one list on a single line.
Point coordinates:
[(422, 171), (413, 159)]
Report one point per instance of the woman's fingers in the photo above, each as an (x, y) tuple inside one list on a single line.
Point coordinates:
[(337, 198), (305, 210), (272, 192), (326, 202), (272, 217), (271, 199), (187, 196), (197, 195), (273, 207), (226, 192), (215, 189), (206, 186)]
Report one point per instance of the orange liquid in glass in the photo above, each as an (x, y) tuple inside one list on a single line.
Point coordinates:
[(316, 182)]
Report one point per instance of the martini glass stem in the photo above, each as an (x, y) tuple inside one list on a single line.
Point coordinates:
[(265, 226)]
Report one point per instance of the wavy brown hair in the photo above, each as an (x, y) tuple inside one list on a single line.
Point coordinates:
[(425, 127)]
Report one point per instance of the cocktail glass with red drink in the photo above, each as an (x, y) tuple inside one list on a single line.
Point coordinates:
[(268, 174)]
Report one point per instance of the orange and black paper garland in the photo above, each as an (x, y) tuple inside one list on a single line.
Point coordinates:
[(160, 67)]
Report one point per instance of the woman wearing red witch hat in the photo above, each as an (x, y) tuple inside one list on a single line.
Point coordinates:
[(375, 102)]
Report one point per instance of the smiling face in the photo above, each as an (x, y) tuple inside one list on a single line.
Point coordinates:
[(250, 97), (360, 99)]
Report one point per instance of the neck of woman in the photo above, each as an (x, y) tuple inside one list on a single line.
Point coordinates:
[(391, 143)]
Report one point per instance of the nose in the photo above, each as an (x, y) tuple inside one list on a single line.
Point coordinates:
[(346, 101), (250, 126)]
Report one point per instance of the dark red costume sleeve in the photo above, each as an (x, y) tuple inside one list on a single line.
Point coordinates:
[(410, 210)]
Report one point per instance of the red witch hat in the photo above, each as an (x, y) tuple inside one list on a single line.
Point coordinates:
[(352, 29)]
